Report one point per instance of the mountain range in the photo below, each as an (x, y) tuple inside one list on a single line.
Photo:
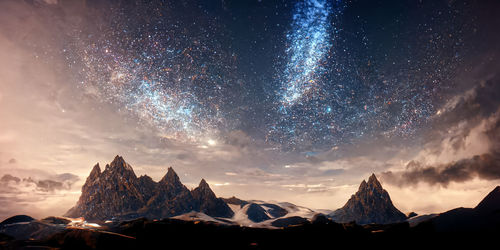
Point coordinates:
[(119, 209), (117, 192)]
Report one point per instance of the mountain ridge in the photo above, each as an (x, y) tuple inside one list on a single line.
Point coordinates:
[(117, 192)]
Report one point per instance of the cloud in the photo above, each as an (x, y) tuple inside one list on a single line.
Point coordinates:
[(14, 184), (463, 154), (473, 104), (486, 166), (460, 141), (38, 197), (423, 198)]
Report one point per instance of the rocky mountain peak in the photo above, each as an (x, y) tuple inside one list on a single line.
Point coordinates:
[(119, 165), (362, 186), (171, 178), (371, 204), (112, 192), (96, 171), (203, 183), (208, 203), (118, 160), (204, 190), (373, 182)]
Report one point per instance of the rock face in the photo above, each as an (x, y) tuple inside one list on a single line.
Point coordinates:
[(275, 210), (113, 192), (371, 204), (147, 187), (117, 192), (256, 213), (208, 203), (170, 198)]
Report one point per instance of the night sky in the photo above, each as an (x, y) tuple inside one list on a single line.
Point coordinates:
[(278, 100), (304, 76)]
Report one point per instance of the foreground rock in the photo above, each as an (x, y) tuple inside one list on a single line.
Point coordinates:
[(17, 219), (30, 230)]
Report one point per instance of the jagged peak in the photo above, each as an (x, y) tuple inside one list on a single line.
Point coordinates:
[(203, 184), (373, 182), (96, 171), (371, 204), (204, 189), (170, 177), (363, 185), (119, 163)]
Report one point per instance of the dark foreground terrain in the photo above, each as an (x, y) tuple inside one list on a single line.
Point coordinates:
[(322, 233)]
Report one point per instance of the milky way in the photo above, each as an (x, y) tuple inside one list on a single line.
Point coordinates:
[(157, 69), (334, 82), (340, 88), (309, 41)]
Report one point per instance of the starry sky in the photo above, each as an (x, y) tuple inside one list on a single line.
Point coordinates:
[(266, 99)]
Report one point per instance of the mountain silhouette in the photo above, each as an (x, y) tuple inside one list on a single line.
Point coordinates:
[(485, 217)]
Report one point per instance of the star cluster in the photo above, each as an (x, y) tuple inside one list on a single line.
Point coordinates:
[(167, 71), (342, 73), (342, 86), (310, 41)]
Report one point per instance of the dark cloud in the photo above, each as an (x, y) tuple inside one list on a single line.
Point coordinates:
[(6, 178), (485, 166)]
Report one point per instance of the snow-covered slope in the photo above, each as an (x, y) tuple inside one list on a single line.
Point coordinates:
[(255, 213)]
